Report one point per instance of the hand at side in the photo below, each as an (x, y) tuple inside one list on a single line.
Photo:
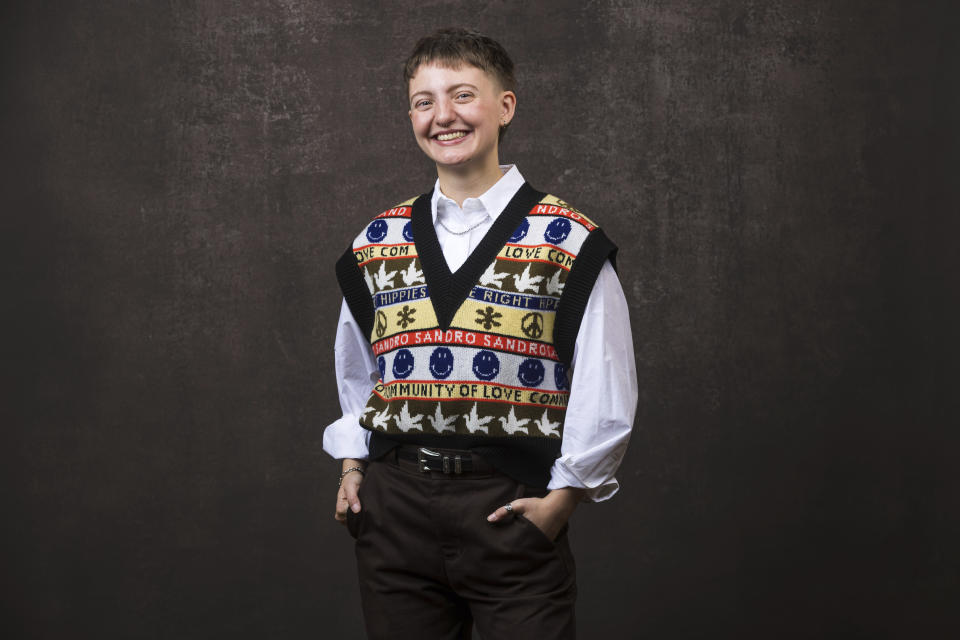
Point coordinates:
[(548, 513), (347, 493)]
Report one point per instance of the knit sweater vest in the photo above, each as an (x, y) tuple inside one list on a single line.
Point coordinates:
[(475, 359)]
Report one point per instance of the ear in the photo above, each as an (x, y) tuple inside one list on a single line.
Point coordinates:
[(508, 106)]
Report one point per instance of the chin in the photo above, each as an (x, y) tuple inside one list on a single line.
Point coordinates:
[(451, 160), (461, 158)]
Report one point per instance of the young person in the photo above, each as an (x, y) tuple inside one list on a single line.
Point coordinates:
[(485, 370)]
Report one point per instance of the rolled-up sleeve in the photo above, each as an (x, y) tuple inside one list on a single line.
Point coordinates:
[(603, 395), (356, 374)]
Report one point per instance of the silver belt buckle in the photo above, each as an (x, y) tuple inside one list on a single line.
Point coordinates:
[(424, 456)]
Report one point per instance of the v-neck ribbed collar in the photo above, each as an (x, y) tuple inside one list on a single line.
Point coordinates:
[(449, 290)]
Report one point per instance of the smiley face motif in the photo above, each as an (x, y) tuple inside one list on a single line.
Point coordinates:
[(486, 365), (557, 231), (402, 364), (560, 375), (382, 365), (441, 363), (530, 372), (377, 230), (407, 232), (520, 232)]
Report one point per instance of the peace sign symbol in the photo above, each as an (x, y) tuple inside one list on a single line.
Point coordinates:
[(532, 325), (381, 323)]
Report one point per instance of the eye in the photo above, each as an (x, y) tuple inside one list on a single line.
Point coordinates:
[(420, 104), (463, 95)]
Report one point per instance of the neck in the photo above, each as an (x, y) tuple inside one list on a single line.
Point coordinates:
[(460, 183)]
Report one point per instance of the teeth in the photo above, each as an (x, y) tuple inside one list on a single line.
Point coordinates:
[(443, 137)]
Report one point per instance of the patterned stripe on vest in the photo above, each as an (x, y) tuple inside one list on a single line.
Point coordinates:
[(494, 372)]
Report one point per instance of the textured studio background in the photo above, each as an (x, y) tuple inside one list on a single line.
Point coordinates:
[(781, 177)]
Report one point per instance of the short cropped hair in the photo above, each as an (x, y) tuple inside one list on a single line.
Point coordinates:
[(453, 46)]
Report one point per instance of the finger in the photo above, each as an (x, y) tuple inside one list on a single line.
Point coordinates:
[(503, 512), (350, 492), (340, 510)]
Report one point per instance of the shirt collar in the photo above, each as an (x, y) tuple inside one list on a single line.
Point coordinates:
[(494, 200)]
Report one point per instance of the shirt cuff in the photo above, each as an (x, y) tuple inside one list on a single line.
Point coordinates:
[(561, 476), (345, 438)]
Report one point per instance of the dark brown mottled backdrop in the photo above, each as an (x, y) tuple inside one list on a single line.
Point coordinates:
[(179, 177)]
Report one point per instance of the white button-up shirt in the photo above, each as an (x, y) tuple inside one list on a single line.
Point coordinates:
[(603, 389)]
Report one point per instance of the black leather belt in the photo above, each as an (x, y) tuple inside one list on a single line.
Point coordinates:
[(448, 461)]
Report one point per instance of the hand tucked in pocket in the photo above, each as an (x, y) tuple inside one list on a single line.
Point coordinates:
[(548, 513)]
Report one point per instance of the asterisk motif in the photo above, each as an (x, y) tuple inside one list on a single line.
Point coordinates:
[(406, 316), (488, 318)]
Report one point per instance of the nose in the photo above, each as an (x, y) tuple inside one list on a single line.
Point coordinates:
[(444, 111)]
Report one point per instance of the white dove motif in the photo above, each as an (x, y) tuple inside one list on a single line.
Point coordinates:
[(553, 284), (369, 279), (511, 425), (381, 419), (491, 277), (440, 423), (406, 422), (525, 281), (384, 280), (412, 275), (367, 410), (546, 427), (476, 423)]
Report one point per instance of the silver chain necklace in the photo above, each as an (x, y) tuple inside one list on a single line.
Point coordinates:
[(460, 233)]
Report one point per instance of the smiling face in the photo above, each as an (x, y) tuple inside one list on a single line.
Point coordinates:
[(531, 373), (403, 364), (441, 363), (486, 365), (456, 114)]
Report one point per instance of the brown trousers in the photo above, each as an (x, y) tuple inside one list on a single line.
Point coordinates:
[(431, 566)]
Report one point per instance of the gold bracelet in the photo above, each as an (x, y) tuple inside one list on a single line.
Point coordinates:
[(346, 471)]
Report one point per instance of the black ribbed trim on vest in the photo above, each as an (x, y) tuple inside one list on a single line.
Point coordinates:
[(355, 291), (576, 291), (449, 290)]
